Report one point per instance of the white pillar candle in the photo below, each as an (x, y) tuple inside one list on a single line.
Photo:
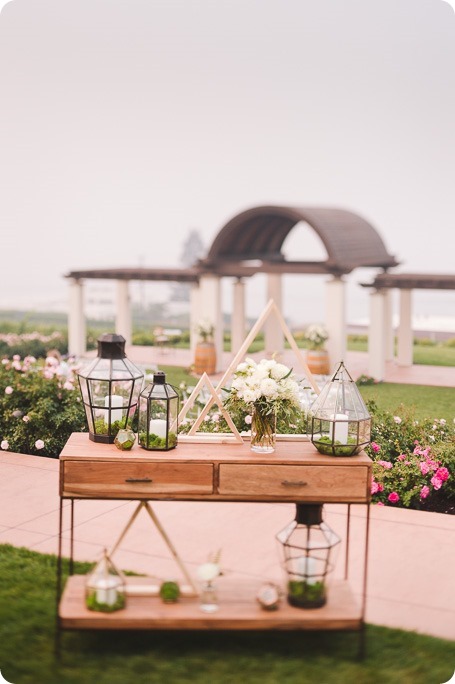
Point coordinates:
[(158, 427), (113, 400), (306, 568), (106, 591), (340, 426)]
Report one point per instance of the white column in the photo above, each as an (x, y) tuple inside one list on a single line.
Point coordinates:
[(335, 320), (195, 315), (388, 323), (238, 315), (123, 321), (211, 309), (274, 338), (376, 336), (405, 337), (76, 319)]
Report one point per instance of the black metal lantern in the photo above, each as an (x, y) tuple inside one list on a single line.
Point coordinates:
[(110, 388), (340, 424), (308, 550), (158, 415)]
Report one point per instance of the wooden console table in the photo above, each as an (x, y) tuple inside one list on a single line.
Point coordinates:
[(296, 472)]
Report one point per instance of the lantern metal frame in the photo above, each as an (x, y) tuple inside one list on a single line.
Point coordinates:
[(167, 398), (340, 421), (108, 376), (308, 551)]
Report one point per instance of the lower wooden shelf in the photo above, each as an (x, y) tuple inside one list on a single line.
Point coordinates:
[(238, 610)]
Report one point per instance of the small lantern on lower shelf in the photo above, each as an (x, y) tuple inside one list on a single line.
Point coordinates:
[(110, 387), (340, 424), (105, 587), (308, 551), (158, 415)]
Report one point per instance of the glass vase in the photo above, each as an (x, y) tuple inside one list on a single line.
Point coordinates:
[(263, 431), (208, 599)]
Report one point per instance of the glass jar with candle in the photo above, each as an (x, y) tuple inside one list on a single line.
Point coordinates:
[(308, 547), (340, 423), (105, 587), (158, 415), (110, 387)]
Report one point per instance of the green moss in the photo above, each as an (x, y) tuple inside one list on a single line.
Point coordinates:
[(92, 604), (306, 595), (155, 442), (170, 592), (325, 446)]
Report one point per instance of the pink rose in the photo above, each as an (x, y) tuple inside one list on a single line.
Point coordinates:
[(375, 447), (9, 390), (442, 474), (397, 419), (393, 497), (424, 467), (380, 503), (4, 444), (374, 487), (39, 444), (386, 464), (424, 492), (436, 482)]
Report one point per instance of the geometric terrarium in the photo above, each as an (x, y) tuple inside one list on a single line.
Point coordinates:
[(340, 424), (105, 587), (158, 415), (308, 550), (110, 387)]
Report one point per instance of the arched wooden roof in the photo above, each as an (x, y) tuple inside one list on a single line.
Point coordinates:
[(258, 234)]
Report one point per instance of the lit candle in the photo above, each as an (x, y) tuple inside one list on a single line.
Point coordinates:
[(158, 427), (113, 400), (106, 591), (339, 428)]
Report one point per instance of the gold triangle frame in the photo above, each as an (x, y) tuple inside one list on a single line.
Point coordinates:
[(193, 435), (204, 381), (270, 309)]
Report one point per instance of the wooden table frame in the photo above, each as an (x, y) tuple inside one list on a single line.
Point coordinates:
[(295, 473)]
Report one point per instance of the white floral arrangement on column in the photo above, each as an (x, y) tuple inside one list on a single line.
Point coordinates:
[(316, 335)]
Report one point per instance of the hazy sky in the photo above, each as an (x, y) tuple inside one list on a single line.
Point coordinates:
[(124, 124)]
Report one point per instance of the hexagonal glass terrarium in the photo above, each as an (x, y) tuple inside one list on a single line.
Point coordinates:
[(340, 422)]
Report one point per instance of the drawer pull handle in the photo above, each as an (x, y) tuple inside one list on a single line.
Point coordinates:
[(298, 483), (138, 479)]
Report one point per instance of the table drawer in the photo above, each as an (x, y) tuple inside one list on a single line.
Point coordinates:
[(295, 482), (123, 480)]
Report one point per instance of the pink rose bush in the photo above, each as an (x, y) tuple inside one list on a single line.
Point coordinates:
[(413, 460), (40, 405)]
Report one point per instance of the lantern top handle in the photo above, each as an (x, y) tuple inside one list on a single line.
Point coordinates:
[(111, 346), (342, 371)]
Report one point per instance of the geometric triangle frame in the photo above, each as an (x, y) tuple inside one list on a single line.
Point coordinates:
[(271, 310)]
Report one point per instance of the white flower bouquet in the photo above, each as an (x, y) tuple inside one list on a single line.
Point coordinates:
[(316, 334), (266, 390), (205, 330)]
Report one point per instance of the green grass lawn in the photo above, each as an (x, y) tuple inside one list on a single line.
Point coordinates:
[(428, 402), (438, 354), (27, 628)]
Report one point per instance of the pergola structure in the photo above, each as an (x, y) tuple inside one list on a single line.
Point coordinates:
[(381, 334), (248, 244)]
